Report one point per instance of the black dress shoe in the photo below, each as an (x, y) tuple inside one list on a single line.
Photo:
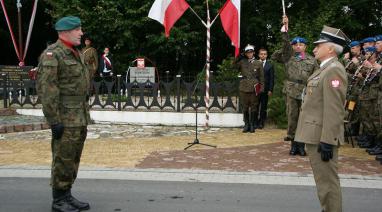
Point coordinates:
[(293, 148), (301, 148), (261, 126), (378, 157)]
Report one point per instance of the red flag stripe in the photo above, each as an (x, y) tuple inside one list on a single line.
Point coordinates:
[(174, 11), (230, 18)]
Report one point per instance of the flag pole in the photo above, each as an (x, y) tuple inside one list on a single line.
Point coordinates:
[(208, 60)]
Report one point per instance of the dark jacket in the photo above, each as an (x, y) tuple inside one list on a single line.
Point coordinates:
[(269, 77)]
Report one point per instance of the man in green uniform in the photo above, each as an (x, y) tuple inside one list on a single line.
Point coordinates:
[(299, 65), (90, 57), (368, 98), (320, 124), (250, 86), (378, 67), (62, 86), (352, 61)]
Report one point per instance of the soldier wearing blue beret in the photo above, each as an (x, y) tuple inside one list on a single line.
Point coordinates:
[(299, 65), (378, 66), (63, 87), (370, 41)]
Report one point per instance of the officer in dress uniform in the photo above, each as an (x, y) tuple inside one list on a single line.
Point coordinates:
[(90, 57), (63, 87), (250, 87), (320, 124), (299, 65)]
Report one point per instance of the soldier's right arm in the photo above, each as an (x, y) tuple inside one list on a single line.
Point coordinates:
[(286, 52), (47, 87)]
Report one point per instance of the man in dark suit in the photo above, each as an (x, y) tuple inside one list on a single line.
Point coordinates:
[(269, 81), (105, 67)]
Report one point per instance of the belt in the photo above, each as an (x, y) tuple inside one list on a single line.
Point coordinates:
[(297, 81), (75, 98)]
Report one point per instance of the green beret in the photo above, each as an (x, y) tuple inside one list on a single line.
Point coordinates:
[(67, 23)]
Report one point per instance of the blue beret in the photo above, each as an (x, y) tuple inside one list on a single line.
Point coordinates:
[(298, 40), (371, 49), (378, 38), (67, 23), (354, 43), (367, 40)]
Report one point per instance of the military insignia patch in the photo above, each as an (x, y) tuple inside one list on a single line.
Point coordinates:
[(49, 54), (335, 83)]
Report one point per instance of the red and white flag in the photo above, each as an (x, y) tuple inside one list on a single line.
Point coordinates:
[(167, 12), (230, 17)]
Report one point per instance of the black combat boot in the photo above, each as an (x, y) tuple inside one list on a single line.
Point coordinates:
[(288, 138), (369, 143), (246, 122), (260, 124), (61, 203), (301, 148), (377, 150), (293, 148), (82, 206), (253, 120), (378, 157)]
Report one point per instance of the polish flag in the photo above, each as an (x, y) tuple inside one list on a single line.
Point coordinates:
[(230, 17), (167, 12)]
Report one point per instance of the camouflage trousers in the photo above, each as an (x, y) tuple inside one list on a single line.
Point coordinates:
[(66, 155), (367, 115), (249, 101), (293, 111)]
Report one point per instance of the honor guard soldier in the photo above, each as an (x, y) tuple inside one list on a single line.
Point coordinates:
[(299, 65), (251, 85), (352, 61), (368, 95), (62, 86), (90, 57), (320, 125), (378, 67)]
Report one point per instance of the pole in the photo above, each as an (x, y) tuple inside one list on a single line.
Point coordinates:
[(18, 4), (283, 2), (208, 59)]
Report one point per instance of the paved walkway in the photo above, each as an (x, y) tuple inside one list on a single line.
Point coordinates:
[(145, 147)]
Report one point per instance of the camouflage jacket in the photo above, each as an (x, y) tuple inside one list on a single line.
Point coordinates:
[(297, 70), (369, 88), (252, 72), (90, 58), (63, 85)]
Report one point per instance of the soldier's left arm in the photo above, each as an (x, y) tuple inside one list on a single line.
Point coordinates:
[(95, 56), (334, 85)]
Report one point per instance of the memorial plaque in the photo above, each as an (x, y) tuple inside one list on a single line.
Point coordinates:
[(15, 73), (141, 75)]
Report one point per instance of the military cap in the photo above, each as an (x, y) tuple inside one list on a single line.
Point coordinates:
[(370, 49), (368, 40), (378, 38), (298, 40), (67, 23), (354, 43), (330, 34), (249, 48)]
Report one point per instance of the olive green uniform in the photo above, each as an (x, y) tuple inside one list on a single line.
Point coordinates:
[(62, 86), (91, 60), (252, 73)]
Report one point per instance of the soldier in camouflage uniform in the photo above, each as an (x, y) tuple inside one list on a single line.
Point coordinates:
[(90, 57), (368, 98), (298, 67), (62, 86), (352, 61), (378, 118), (250, 86)]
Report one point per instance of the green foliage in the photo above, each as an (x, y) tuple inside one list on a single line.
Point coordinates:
[(227, 72), (276, 103)]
